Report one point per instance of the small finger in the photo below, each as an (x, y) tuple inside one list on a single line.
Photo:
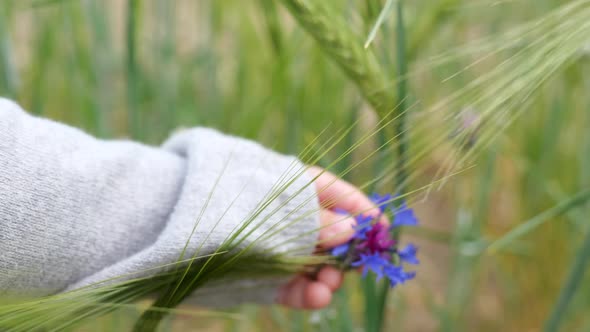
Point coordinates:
[(331, 277), (293, 294), (303, 293), (317, 295)]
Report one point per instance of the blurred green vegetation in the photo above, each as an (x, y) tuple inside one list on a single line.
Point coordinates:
[(142, 69)]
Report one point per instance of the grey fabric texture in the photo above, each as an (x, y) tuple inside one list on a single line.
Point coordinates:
[(76, 210)]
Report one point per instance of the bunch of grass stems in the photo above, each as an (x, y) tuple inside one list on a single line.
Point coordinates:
[(532, 52)]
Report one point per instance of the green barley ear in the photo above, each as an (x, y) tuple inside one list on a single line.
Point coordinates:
[(527, 56), (346, 49)]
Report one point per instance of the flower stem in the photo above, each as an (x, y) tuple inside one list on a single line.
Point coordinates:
[(400, 131)]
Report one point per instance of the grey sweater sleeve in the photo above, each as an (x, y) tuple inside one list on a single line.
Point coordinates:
[(75, 210)]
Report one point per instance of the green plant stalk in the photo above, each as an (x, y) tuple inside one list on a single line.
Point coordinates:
[(401, 183), (585, 160), (362, 66), (349, 140), (250, 265), (83, 73), (345, 48), (273, 25), (100, 41), (9, 76), (574, 280), (44, 53), (166, 50), (132, 79), (372, 304), (402, 93), (281, 79), (467, 231)]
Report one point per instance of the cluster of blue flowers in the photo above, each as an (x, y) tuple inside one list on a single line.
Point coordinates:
[(373, 247)]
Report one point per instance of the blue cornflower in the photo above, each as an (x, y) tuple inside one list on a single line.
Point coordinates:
[(404, 216), (373, 262), (372, 245), (340, 250), (408, 254), (381, 201), (397, 275), (363, 225)]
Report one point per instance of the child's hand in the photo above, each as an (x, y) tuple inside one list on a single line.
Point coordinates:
[(303, 292)]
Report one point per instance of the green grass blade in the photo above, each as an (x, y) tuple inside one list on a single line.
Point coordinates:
[(380, 19), (101, 68), (132, 69), (402, 94), (571, 286), (467, 233), (273, 26), (531, 224)]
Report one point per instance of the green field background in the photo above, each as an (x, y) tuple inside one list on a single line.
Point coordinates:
[(143, 69)]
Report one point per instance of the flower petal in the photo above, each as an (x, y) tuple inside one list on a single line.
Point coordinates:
[(408, 254), (404, 216), (340, 250), (381, 201)]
